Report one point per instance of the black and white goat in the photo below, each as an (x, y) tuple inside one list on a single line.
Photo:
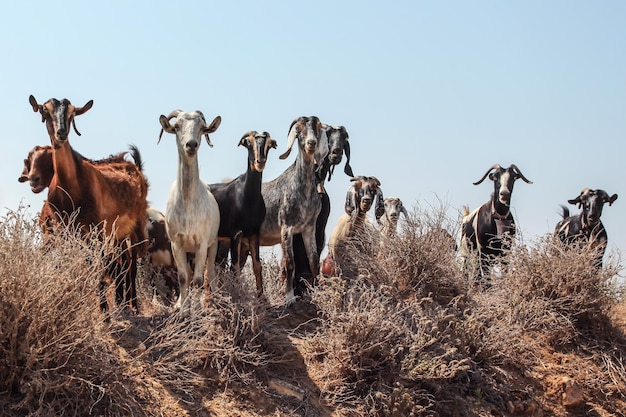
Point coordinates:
[(353, 224), (490, 229), (242, 208), (586, 227), (338, 144)]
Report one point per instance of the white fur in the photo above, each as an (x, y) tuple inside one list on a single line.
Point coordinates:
[(192, 216)]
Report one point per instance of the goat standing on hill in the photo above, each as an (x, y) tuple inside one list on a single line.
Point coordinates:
[(338, 144), (353, 224), (389, 220), (192, 216), (292, 202), (586, 227), (242, 208), (490, 229), (38, 171), (111, 197)]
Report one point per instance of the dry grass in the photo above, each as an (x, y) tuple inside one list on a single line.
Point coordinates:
[(402, 334)]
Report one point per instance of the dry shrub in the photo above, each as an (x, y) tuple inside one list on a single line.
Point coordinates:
[(376, 355), (56, 357), (221, 339), (558, 289), (420, 261), (549, 300)]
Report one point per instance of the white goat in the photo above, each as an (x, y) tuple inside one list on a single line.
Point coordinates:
[(192, 216), (389, 220)]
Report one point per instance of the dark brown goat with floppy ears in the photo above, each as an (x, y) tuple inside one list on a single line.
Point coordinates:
[(113, 201)]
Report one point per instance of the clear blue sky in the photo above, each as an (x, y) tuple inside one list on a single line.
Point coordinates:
[(431, 93)]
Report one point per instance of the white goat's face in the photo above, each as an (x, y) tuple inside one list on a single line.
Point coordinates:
[(189, 128), (393, 208)]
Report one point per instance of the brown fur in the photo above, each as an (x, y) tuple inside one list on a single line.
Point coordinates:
[(109, 196)]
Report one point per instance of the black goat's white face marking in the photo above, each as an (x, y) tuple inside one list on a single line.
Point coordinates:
[(505, 186), (592, 203)]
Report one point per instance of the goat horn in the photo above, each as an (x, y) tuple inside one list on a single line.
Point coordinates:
[(494, 166), (520, 174)]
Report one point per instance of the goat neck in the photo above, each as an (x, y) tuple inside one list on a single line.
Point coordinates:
[(187, 175), (499, 210)]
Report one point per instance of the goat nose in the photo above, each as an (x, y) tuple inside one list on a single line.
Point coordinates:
[(61, 132), (192, 145)]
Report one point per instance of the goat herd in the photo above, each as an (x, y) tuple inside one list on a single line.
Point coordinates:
[(221, 224)]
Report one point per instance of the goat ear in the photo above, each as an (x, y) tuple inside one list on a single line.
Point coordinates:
[(347, 169), (165, 126), (243, 141), (322, 146), (33, 102), (24, 175), (403, 210), (273, 144), (293, 132), (350, 205), (612, 199), (380, 204), (213, 126), (575, 201), (80, 110)]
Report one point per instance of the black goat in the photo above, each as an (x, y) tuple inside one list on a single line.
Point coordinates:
[(242, 209), (337, 145), (490, 229), (586, 227)]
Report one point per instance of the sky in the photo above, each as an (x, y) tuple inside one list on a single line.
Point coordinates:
[(431, 93)]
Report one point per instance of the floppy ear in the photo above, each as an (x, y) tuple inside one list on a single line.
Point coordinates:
[(403, 210), (380, 204), (322, 146), (351, 197), (24, 175), (612, 199), (347, 168), (293, 132)]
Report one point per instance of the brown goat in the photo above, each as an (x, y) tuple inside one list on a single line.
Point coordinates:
[(111, 197)]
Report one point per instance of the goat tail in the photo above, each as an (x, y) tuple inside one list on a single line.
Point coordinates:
[(466, 211), (565, 212), (134, 152)]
